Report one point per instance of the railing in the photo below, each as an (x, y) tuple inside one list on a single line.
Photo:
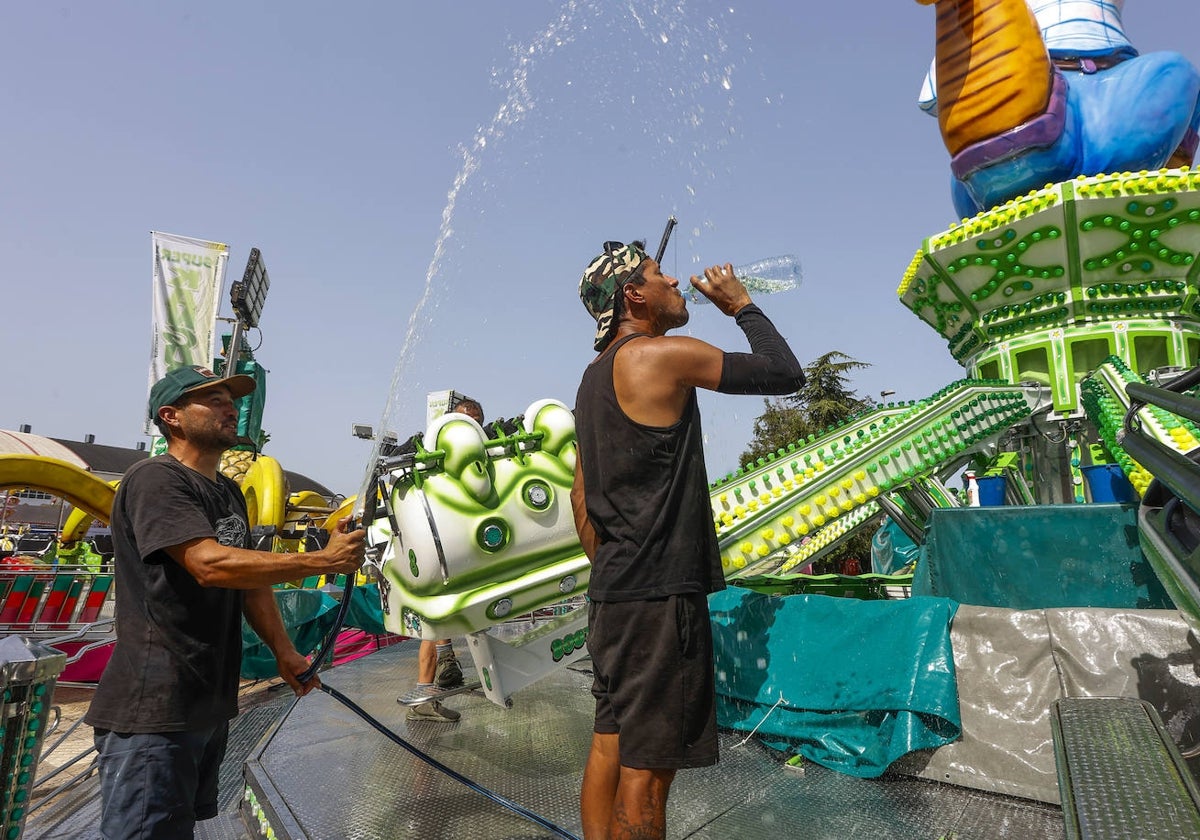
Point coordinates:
[(1169, 518), (56, 604), (1181, 474)]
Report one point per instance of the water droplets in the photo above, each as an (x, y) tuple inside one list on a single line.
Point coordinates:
[(685, 70)]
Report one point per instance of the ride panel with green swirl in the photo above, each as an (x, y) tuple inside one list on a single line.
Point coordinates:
[(477, 529), (1047, 286)]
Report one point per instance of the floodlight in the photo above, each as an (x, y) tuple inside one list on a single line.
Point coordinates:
[(362, 431), (250, 293)]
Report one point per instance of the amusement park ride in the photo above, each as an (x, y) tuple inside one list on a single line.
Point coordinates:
[(1069, 293)]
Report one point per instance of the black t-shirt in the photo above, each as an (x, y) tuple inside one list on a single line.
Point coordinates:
[(179, 645), (647, 496)]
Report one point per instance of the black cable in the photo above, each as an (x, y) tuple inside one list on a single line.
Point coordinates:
[(326, 648), (327, 643), (454, 774)]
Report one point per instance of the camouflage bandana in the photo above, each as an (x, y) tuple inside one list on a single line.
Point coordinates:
[(602, 280)]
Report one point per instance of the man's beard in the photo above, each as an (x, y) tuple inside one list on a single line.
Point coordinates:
[(217, 437), (682, 318)]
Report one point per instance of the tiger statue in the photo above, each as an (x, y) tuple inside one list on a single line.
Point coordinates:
[(1031, 92)]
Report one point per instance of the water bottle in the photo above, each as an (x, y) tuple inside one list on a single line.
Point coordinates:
[(764, 277), (972, 489)]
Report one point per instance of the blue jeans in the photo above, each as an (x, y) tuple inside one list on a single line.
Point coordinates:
[(155, 785)]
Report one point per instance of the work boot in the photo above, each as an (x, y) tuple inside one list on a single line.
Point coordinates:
[(432, 710), (449, 672)]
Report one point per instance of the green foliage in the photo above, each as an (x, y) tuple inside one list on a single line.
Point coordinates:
[(776, 427), (825, 399)]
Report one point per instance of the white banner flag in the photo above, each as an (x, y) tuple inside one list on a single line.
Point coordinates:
[(188, 277)]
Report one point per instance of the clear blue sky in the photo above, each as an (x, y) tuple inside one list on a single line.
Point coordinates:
[(333, 137)]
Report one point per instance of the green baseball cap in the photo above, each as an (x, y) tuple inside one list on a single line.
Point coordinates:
[(603, 279), (188, 380)]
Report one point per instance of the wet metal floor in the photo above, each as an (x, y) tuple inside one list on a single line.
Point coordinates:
[(325, 773)]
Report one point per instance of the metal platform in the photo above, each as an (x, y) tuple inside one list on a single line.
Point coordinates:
[(319, 771), (74, 814), (324, 773), (1120, 773)]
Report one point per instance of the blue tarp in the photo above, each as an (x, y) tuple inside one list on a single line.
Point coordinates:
[(862, 682)]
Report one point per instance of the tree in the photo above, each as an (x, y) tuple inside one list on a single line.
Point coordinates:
[(775, 428), (825, 400)]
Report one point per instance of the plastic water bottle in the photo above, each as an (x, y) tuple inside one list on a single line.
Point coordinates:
[(972, 489), (764, 277)]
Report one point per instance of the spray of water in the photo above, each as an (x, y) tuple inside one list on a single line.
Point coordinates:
[(648, 34), (516, 104)]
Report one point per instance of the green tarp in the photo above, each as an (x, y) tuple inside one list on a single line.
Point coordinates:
[(892, 551), (79, 554), (307, 614), (852, 685), (364, 611), (1038, 557)]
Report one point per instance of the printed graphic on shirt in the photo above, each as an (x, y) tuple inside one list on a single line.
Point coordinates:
[(231, 530)]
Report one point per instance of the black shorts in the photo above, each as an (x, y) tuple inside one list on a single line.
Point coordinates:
[(157, 785), (654, 685)]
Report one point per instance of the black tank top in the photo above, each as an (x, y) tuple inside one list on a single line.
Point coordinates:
[(647, 496)]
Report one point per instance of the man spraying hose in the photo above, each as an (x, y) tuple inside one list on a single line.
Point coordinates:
[(186, 576)]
